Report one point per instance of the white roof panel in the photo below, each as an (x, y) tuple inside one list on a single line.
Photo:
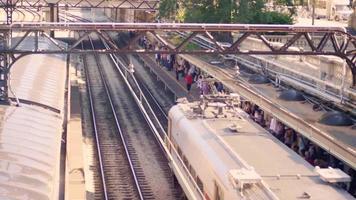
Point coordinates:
[(40, 78), (29, 152)]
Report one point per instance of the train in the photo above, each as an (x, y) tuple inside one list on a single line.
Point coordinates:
[(225, 155), (32, 126)]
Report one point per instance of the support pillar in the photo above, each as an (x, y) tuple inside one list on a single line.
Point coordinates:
[(5, 43), (116, 10), (4, 67), (57, 13), (9, 8), (51, 17)]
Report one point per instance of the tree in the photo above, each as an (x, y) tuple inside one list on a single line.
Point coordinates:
[(224, 11), (243, 15), (167, 9), (199, 11), (289, 4), (254, 12)]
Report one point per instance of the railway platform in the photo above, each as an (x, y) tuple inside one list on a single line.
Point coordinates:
[(337, 140), (75, 186), (178, 87)]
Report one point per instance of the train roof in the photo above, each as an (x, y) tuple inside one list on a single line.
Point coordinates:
[(30, 134), (233, 137), (30, 138), (40, 78)]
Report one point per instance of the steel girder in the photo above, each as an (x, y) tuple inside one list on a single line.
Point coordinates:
[(9, 7), (120, 4), (342, 44)]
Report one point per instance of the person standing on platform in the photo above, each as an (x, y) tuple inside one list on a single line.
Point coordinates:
[(157, 55), (206, 87), (186, 67), (192, 71), (273, 126), (179, 70), (169, 63), (219, 86), (200, 84), (189, 81)]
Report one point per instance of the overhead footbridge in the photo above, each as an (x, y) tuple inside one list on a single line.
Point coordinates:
[(343, 44)]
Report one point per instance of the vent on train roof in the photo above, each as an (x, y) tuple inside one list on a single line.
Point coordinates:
[(258, 79), (291, 95), (336, 118), (332, 175), (241, 177)]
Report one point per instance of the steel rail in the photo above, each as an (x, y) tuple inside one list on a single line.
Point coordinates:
[(97, 140), (140, 98), (162, 140), (118, 125), (155, 101)]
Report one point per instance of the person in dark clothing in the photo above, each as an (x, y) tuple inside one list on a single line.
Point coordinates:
[(352, 188), (219, 86), (170, 65), (186, 67)]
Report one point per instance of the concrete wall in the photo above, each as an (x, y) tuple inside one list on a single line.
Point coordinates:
[(121, 15), (326, 68)]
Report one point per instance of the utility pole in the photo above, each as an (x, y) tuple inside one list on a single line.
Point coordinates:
[(5, 43), (313, 12)]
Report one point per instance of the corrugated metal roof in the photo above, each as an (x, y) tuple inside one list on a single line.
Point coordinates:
[(30, 135), (40, 78), (30, 139)]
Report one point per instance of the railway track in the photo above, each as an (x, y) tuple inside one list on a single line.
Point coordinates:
[(149, 101), (115, 169), (123, 139)]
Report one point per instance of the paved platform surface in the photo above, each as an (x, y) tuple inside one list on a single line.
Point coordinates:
[(75, 166), (178, 87), (75, 175)]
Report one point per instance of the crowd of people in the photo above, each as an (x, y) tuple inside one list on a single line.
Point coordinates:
[(312, 153), (191, 74), (183, 69)]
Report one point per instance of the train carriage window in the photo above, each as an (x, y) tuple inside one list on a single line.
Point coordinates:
[(200, 184), (170, 128), (186, 163), (218, 192), (179, 151), (192, 171)]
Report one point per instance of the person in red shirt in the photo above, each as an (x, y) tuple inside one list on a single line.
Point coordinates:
[(189, 81)]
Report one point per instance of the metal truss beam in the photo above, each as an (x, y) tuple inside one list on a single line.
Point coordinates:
[(342, 44), (119, 4), (9, 7), (109, 26)]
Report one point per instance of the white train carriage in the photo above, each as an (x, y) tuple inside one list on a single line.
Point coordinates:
[(30, 134), (231, 157)]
